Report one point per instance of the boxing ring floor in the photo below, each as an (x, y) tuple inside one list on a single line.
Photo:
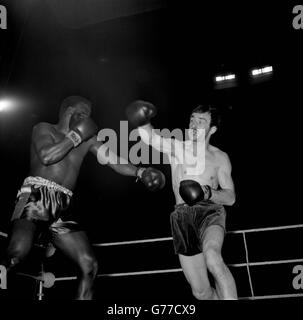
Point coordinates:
[(267, 263)]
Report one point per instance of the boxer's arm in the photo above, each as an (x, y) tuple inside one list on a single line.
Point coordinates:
[(49, 151), (152, 178), (107, 157), (150, 137), (226, 195)]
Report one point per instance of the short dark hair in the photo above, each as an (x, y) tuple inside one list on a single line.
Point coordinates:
[(214, 113), (71, 101)]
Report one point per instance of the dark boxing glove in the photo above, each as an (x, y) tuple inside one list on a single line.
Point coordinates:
[(152, 178), (82, 130), (192, 192), (140, 112)]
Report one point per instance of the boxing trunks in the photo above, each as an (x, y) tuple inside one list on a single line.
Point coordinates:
[(188, 225), (45, 203)]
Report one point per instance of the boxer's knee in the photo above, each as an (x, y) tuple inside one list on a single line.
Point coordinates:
[(201, 290), (214, 260), (21, 240), (204, 294), (16, 253), (89, 265)]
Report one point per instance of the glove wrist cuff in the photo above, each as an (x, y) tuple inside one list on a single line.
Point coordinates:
[(208, 192), (74, 137)]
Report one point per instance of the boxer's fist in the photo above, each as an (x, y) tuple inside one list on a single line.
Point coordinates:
[(192, 192), (82, 130), (152, 178), (140, 112)]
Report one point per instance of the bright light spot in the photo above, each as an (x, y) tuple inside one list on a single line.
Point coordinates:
[(5, 104), (256, 72), (226, 77), (230, 77), (267, 69)]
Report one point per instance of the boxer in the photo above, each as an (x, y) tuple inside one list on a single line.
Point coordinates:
[(201, 192), (42, 205)]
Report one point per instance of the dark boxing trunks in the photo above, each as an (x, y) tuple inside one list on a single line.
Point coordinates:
[(45, 202), (188, 225)]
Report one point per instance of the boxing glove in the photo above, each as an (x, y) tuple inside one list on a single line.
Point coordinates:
[(82, 130), (140, 112), (152, 178), (192, 192)]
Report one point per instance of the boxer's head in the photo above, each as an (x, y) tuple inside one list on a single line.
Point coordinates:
[(74, 108), (204, 117)]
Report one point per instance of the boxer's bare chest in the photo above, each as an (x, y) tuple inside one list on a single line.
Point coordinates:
[(206, 173), (65, 171)]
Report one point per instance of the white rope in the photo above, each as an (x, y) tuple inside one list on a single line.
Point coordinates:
[(267, 229), (136, 273), (247, 266), (25, 275), (264, 263), (66, 278), (273, 296), (170, 238), (131, 242), (121, 274), (290, 295)]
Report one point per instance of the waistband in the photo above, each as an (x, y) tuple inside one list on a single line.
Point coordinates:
[(38, 181), (201, 203)]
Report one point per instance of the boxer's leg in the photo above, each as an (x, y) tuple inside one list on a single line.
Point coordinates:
[(76, 246), (195, 271), (212, 244), (20, 242)]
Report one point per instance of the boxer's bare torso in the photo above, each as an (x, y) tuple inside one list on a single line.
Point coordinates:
[(64, 172), (214, 159), (194, 159)]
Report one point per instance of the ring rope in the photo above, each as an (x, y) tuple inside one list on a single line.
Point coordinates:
[(273, 296), (131, 242), (264, 263), (294, 226), (170, 238), (247, 266), (237, 265), (176, 270), (122, 274)]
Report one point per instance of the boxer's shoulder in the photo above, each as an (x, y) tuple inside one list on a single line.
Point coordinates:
[(218, 154), (43, 126)]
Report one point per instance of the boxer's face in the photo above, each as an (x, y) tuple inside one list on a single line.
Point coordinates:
[(199, 121), (79, 111)]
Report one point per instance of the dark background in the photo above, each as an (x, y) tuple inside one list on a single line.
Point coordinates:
[(166, 52)]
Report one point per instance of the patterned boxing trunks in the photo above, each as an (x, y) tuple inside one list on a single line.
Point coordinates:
[(45, 203)]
